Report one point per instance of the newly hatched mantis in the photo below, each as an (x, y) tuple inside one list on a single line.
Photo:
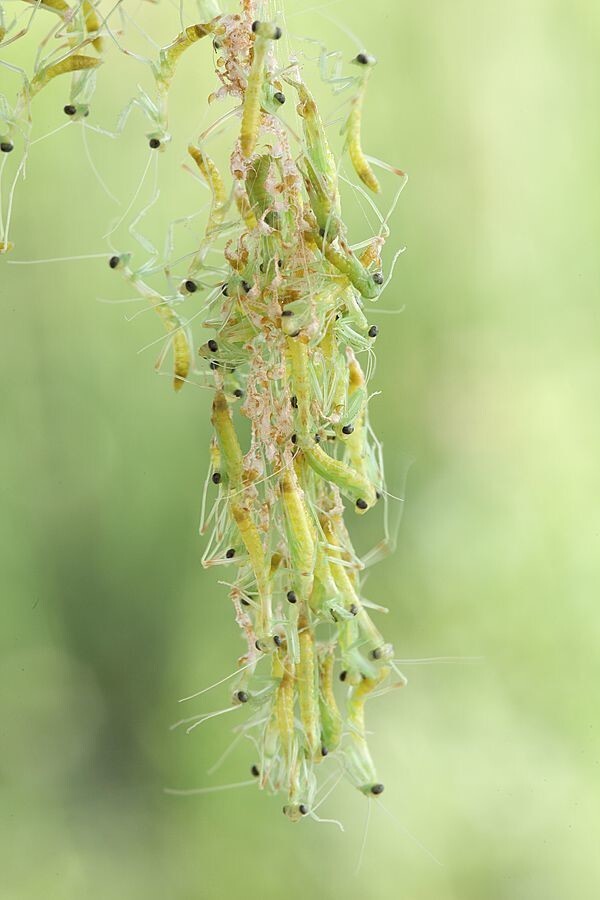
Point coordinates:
[(352, 127), (264, 35)]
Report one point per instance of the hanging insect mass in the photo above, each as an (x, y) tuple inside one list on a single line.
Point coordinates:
[(289, 332)]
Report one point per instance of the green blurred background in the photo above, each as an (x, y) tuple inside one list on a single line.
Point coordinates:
[(490, 381)]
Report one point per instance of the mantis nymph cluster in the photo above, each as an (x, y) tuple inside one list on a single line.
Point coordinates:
[(284, 292), (289, 329)]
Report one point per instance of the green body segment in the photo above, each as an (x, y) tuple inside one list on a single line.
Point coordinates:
[(355, 443), (308, 691), (229, 447), (299, 387), (331, 718), (218, 206), (170, 55), (231, 455), (350, 482), (285, 699), (260, 197), (325, 591), (333, 375), (349, 265), (360, 761), (265, 33), (300, 530), (74, 63), (320, 168), (212, 177), (353, 127), (317, 145), (321, 203)]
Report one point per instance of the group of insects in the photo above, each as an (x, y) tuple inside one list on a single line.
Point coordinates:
[(283, 292)]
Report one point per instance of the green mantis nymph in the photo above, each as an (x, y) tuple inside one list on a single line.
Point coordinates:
[(264, 35), (352, 127)]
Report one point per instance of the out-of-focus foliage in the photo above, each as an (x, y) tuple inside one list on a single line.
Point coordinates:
[(489, 378)]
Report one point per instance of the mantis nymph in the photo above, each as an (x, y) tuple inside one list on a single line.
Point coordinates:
[(264, 35), (352, 127)]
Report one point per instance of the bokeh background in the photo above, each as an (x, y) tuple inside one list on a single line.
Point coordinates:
[(490, 381)]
